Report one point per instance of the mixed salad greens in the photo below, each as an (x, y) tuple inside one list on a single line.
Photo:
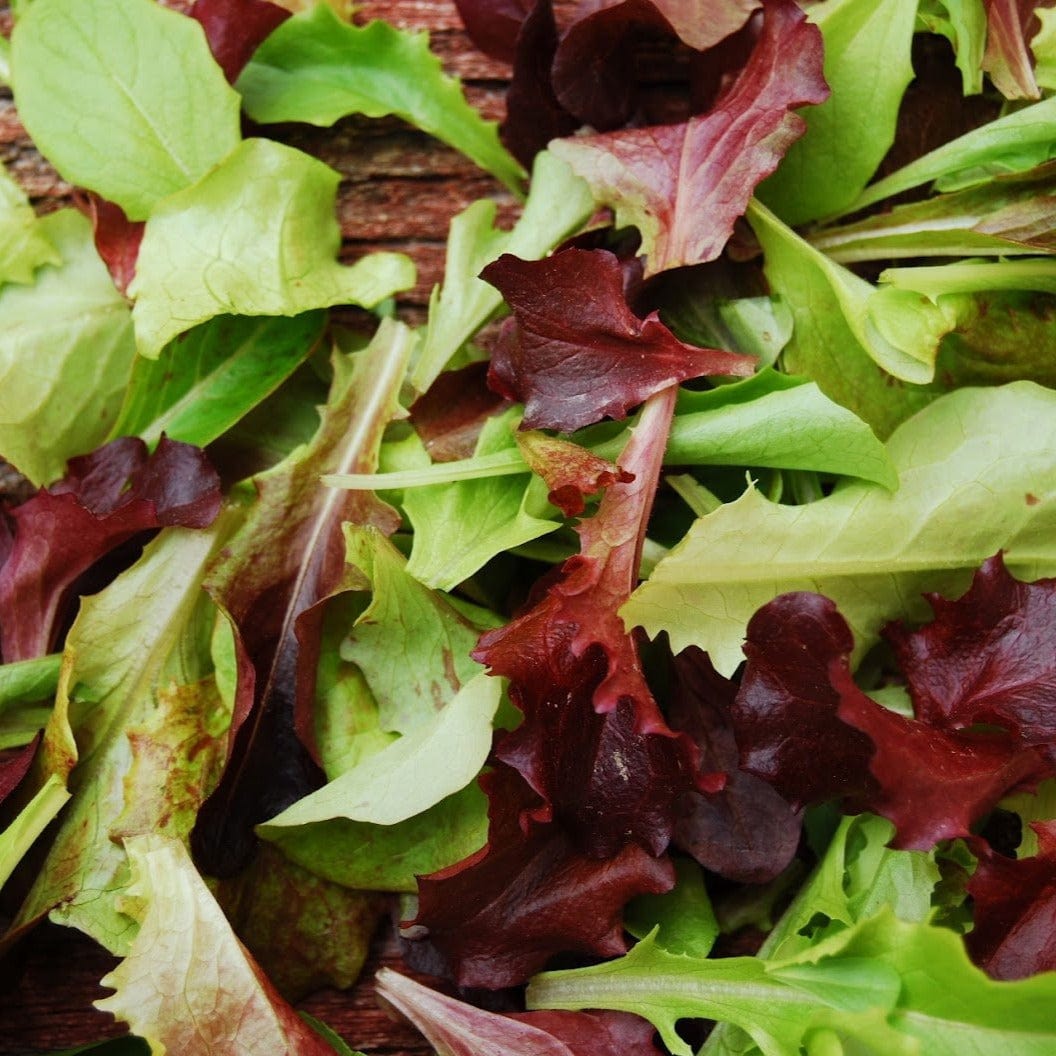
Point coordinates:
[(663, 623)]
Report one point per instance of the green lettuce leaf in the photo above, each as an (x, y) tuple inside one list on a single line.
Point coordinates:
[(305, 932), (460, 526), (410, 643), (414, 773), (1015, 142), (973, 481), (558, 204), (204, 382), (370, 857), (317, 68), (24, 246), (187, 984), (880, 986), (840, 314), (1044, 48), (1006, 216), (256, 236), (773, 420), (963, 24), (133, 121), (851, 338), (66, 350), (940, 280), (139, 729), (867, 66)]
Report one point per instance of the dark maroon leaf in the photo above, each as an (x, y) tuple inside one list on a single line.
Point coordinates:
[(14, 765), (571, 472), (1008, 59), (785, 712), (578, 353), (493, 25), (803, 724), (458, 1029), (106, 498), (533, 114), (1014, 908), (743, 829), (272, 580), (497, 917), (593, 743), (685, 185), (236, 28), (449, 417), (932, 784), (987, 658), (594, 66), (117, 238)]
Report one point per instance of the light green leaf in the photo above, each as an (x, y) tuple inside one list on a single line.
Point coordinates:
[(317, 68), (139, 713), (187, 984), (778, 1003), (1006, 216), (24, 245), (683, 917), (414, 773), (847, 336), (963, 24), (774, 420), (900, 334), (31, 821), (1013, 143), (410, 643), (256, 236), (203, 383), (389, 857), (559, 203), (459, 527), (133, 123), (66, 349), (1044, 48), (867, 66), (973, 481), (28, 681), (940, 280)]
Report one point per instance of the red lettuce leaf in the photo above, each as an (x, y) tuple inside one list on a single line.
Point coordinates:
[(684, 185), (593, 60), (106, 498), (570, 847), (986, 658), (534, 115), (593, 743), (742, 828), (577, 352), (117, 238), (14, 765), (803, 724), (497, 917), (273, 579), (571, 472), (1014, 907), (784, 715), (458, 1029), (934, 785), (236, 28), (493, 25), (1007, 58), (449, 416)]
